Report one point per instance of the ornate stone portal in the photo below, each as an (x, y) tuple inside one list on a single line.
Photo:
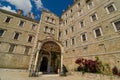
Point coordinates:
[(49, 59)]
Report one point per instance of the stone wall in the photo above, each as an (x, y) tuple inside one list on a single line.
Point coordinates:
[(14, 61)]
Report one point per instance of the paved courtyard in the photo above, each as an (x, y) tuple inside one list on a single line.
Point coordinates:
[(22, 75), (9, 75)]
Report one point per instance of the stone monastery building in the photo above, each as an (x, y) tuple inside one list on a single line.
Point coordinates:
[(87, 29)]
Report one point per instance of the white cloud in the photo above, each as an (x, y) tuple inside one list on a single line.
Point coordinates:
[(8, 8), (24, 5), (39, 4)]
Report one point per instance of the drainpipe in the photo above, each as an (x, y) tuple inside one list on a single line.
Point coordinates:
[(31, 64)]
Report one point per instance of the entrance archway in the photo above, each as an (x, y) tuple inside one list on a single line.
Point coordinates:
[(49, 59)]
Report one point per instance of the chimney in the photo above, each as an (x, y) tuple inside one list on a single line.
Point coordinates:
[(33, 17), (75, 0), (19, 12), (29, 15)]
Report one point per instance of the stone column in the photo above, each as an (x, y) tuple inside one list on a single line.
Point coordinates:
[(36, 60), (62, 52), (37, 55), (31, 64)]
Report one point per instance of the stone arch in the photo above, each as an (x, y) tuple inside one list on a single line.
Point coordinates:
[(48, 51)]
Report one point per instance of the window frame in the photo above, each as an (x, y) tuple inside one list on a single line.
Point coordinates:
[(66, 43), (27, 50), (7, 18), (73, 41), (28, 40), (101, 33), (22, 24), (3, 32), (85, 37), (88, 4), (18, 35), (113, 23), (80, 23), (91, 18), (33, 27), (113, 5), (12, 48)]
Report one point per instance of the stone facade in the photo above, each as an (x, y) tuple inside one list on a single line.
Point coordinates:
[(87, 29)]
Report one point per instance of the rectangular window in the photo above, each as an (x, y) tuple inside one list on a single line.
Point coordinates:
[(33, 26), (80, 12), (66, 43), (16, 35), (81, 23), (21, 24), (73, 41), (72, 29), (30, 38), (84, 37), (116, 25), (90, 4), (60, 34), (7, 20), (93, 17), (98, 32), (2, 32), (71, 10), (27, 49), (111, 8), (52, 31), (78, 5), (12, 47), (66, 32)]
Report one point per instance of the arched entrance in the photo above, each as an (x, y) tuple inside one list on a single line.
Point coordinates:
[(49, 59)]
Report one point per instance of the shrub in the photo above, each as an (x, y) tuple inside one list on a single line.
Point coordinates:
[(115, 70), (88, 65)]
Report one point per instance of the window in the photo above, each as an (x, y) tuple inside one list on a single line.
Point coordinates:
[(80, 12), (66, 32), (21, 24), (83, 37), (27, 49), (72, 29), (90, 4), (98, 32), (52, 31), (78, 5), (111, 8), (46, 29), (66, 43), (16, 35), (66, 14), (33, 26), (73, 41), (81, 23), (71, 10), (53, 21), (116, 25), (93, 17), (30, 38), (12, 47), (60, 34), (7, 20), (2, 32)]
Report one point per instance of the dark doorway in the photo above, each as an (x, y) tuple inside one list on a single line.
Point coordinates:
[(44, 64)]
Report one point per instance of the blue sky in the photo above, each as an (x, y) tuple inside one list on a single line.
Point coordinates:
[(35, 6)]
